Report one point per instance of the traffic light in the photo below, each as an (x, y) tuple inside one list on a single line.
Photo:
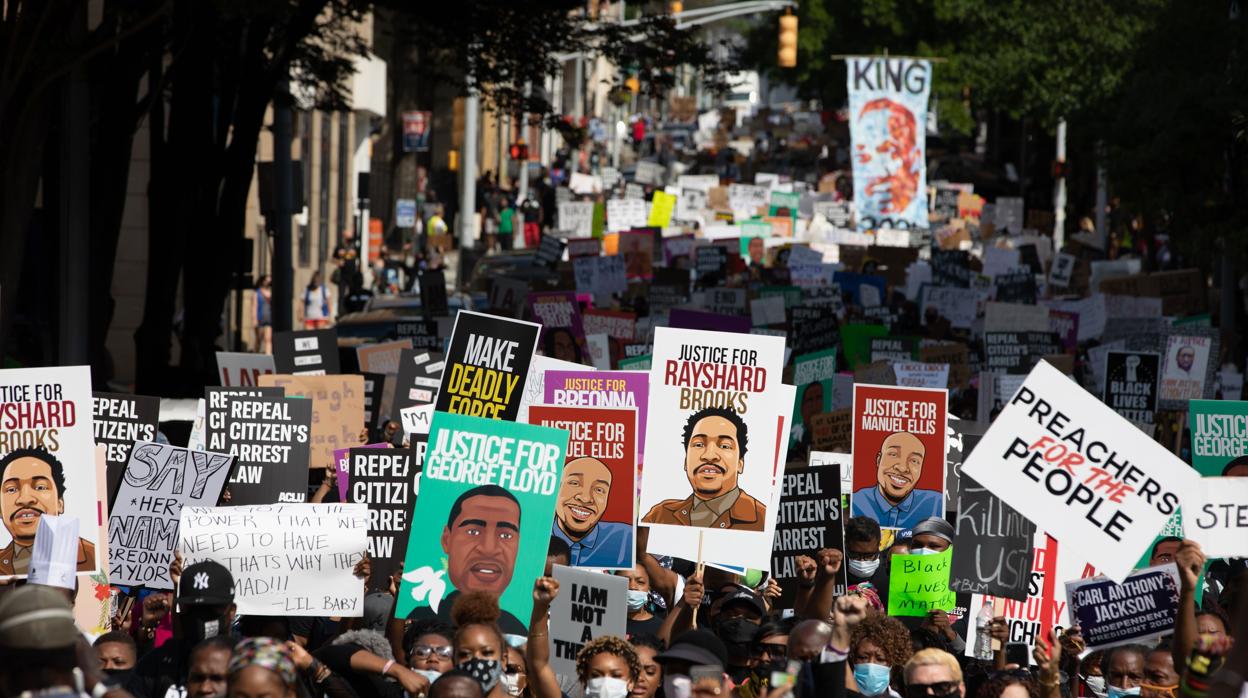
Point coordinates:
[(675, 7), (786, 56), (519, 150), (1061, 168)]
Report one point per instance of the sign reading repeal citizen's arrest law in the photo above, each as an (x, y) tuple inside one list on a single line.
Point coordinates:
[(270, 438), (811, 518), (1079, 471), (120, 420), (1142, 608), (386, 480), (486, 365)]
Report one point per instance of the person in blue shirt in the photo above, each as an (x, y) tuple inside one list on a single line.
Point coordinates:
[(893, 501), (583, 496)]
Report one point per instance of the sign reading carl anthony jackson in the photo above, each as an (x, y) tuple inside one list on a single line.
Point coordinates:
[(486, 365)]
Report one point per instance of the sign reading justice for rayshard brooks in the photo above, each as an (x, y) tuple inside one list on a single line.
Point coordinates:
[(1079, 471)]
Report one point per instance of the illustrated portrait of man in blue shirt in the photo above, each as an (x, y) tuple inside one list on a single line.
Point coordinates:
[(583, 496), (893, 501)]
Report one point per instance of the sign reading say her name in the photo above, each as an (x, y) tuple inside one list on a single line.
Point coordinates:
[(270, 437), (386, 480), (286, 559), (992, 547), (1131, 384), (306, 352), (589, 605), (143, 525), (486, 366), (811, 518), (119, 421), (1079, 471), (1143, 607)]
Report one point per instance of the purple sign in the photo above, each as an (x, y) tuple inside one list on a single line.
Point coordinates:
[(342, 456), (602, 389), (702, 320)]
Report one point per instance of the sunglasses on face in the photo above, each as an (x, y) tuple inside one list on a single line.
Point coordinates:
[(774, 650), (426, 651), (922, 690)]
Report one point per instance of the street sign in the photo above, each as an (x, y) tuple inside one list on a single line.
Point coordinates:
[(405, 213)]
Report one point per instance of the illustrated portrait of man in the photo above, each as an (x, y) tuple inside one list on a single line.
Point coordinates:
[(715, 442), (583, 496), (810, 405), (893, 501), (32, 483)]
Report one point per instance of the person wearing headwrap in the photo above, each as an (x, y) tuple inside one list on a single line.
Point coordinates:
[(931, 536), (262, 667)]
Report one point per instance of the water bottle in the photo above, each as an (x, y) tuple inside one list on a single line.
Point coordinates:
[(983, 638)]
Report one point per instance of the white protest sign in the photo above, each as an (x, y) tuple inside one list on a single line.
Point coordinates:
[(581, 183), (589, 605), (1062, 270), (915, 374), (957, 305), (242, 369), (1217, 516), (651, 173), (767, 311), (286, 559), (1080, 472), (599, 346), (626, 214), (416, 419), (576, 218), (844, 461)]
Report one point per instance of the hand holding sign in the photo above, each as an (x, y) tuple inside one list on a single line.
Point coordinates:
[(1191, 560)]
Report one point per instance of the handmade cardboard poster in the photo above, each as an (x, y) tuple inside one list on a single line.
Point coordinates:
[(1219, 437), (337, 411), (899, 454), (1186, 364), (486, 366), (563, 335), (242, 368), (992, 545), (1131, 384), (46, 436), (596, 506), (626, 389), (1079, 471), (1143, 608), (589, 605), (143, 525), (120, 420), (487, 497), (306, 352), (1218, 517), (812, 376), (386, 480), (887, 113)]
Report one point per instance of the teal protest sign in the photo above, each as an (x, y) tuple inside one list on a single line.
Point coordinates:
[(483, 516)]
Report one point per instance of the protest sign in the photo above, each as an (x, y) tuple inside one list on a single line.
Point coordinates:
[(387, 480), (486, 365), (576, 218), (951, 268), (1017, 352), (887, 107), (1062, 270), (1066, 326), (815, 334), (992, 545), (143, 524), (636, 247), (306, 352), (618, 389), (337, 411), (1079, 471), (375, 386), (93, 600), (961, 435), (957, 305), (1131, 384), (899, 454), (49, 409), (662, 207), (381, 358), (699, 320), (423, 334), (915, 374), (812, 375), (494, 483), (589, 606), (342, 457), (596, 506), (811, 518), (416, 419), (625, 214), (270, 438), (616, 324), (892, 348), (649, 172), (119, 420), (1015, 317), (286, 560), (242, 368), (1185, 369), (600, 276), (1045, 607), (562, 336), (550, 249), (832, 431), (420, 374), (1219, 436), (535, 383), (1142, 608), (1218, 517), (919, 584)]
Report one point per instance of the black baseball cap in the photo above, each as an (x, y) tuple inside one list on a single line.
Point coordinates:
[(206, 583), (696, 647), (745, 597)]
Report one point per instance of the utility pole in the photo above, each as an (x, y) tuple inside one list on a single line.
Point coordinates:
[(1059, 190), (468, 172), (283, 209)]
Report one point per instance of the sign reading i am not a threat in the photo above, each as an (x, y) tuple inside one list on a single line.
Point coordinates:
[(1144, 607), (486, 365), (589, 605), (1079, 471)]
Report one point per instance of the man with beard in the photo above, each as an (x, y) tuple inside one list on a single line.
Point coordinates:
[(583, 497), (32, 483), (893, 501), (715, 445)]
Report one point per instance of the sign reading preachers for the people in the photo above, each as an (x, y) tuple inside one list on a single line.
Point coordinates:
[(992, 546), (1079, 471), (486, 365), (589, 605), (143, 524), (811, 518), (119, 421), (1142, 608), (899, 454), (384, 479), (287, 559), (1219, 436)]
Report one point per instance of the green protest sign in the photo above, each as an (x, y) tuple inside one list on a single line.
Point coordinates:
[(856, 341), (920, 583), (1219, 435)]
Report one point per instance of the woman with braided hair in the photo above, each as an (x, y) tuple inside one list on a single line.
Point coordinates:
[(607, 667)]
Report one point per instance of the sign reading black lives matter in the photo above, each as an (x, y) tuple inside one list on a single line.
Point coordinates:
[(1131, 384), (306, 352), (810, 518), (1144, 607), (992, 547), (486, 366), (143, 522), (119, 421), (271, 438), (386, 480), (1080, 472), (589, 605)]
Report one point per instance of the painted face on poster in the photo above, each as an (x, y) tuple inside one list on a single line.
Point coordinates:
[(899, 447)]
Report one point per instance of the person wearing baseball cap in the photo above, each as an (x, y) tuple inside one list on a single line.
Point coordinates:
[(205, 603), (695, 660), (39, 643)]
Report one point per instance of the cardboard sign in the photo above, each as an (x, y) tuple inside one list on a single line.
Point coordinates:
[(1131, 384), (1218, 517), (992, 546), (120, 420), (899, 454), (589, 605), (812, 375), (420, 374), (270, 438), (1185, 369), (576, 218), (242, 368), (487, 497), (832, 431), (625, 214), (286, 560), (811, 518), (1142, 608), (143, 525), (49, 409), (614, 389), (1219, 436), (596, 506), (486, 365), (915, 374), (387, 480), (381, 358), (337, 411), (918, 584), (1079, 471), (306, 352)]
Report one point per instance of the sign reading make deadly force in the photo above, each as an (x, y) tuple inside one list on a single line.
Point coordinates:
[(486, 365)]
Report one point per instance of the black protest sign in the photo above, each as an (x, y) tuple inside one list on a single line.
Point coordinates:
[(486, 366), (549, 251), (271, 438), (433, 302), (945, 202), (1131, 384), (1017, 352), (1142, 608), (216, 409), (951, 268), (810, 518), (374, 388), (423, 333), (669, 289), (1018, 285), (711, 264), (893, 348), (120, 420), (306, 352), (386, 480), (992, 546), (420, 374), (812, 335), (961, 437)]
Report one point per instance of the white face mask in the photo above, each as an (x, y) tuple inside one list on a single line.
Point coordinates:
[(637, 599), (1096, 684), (428, 674), (606, 687), (863, 568), (923, 551), (511, 683)]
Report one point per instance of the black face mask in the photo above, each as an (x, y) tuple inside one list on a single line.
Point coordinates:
[(117, 677)]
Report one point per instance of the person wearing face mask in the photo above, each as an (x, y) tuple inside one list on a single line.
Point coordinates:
[(427, 645), (515, 674), (650, 678), (1090, 678), (117, 654), (1123, 669), (479, 647), (737, 635), (1160, 678), (641, 621), (931, 536), (878, 645), (770, 647), (693, 648), (862, 548), (607, 667)]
